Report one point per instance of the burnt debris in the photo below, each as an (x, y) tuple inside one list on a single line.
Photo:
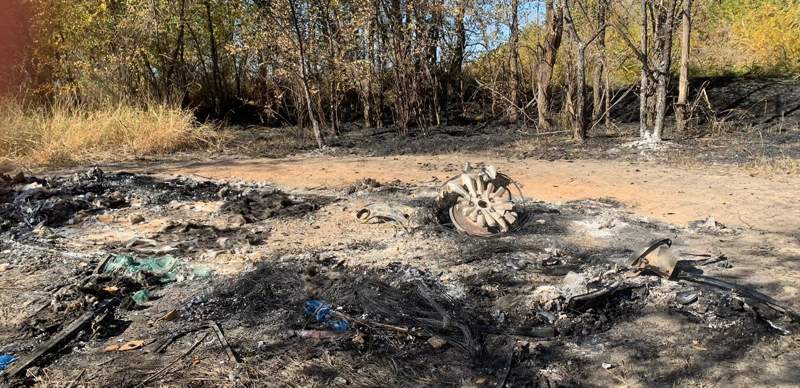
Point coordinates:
[(409, 303)]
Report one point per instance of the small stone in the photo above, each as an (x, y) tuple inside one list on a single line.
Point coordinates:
[(237, 221), (339, 380), (136, 219), (686, 297), (437, 342), (225, 243), (607, 366), (105, 218)]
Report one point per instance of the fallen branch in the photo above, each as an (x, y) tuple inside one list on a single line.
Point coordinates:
[(77, 379), (319, 334), (180, 334), (51, 344), (162, 370), (101, 265), (223, 341), (372, 323)]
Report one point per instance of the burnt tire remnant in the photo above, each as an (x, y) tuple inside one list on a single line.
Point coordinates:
[(478, 202)]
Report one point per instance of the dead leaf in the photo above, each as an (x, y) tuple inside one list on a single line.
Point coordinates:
[(169, 315), (111, 348), (111, 289), (130, 345), (697, 346), (358, 339)]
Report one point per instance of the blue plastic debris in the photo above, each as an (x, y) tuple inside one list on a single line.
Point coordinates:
[(6, 360), (322, 312)]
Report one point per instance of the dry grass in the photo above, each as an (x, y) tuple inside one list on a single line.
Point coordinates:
[(68, 135), (781, 165)]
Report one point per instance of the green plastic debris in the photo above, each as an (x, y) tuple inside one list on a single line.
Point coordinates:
[(164, 267), (202, 272), (141, 297)]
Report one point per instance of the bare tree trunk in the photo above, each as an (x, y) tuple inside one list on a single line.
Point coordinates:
[(644, 87), (333, 87), (304, 76), (579, 121), (367, 93), (377, 74), (554, 26), (216, 73), (178, 47), (607, 99), (598, 91), (683, 83), (578, 117), (666, 26), (513, 48), (454, 73), (436, 74), (152, 73), (376, 68), (578, 82)]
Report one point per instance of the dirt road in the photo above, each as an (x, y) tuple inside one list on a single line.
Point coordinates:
[(675, 195)]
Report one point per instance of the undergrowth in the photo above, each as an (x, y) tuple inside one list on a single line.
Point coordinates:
[(771, 166), (68, 134)]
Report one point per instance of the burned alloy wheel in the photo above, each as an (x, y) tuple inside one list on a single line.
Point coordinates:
[(479, 202)]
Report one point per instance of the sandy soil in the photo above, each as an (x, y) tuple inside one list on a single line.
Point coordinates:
[(673, 194)]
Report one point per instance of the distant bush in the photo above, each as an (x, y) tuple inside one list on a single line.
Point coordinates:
[(736, 37)]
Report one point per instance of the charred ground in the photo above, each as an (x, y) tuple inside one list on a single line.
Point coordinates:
[(465, 311)]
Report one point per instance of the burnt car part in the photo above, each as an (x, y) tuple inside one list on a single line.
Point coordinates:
[(400, 214), (657, 257), (479, 201)]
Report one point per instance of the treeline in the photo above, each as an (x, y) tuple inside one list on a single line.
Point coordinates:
[(410, 64)]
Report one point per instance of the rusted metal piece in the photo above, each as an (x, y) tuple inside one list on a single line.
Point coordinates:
[(400, 214), (483, 203), (658, 257)]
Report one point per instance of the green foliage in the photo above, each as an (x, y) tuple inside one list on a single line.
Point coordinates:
[(736, 37)]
